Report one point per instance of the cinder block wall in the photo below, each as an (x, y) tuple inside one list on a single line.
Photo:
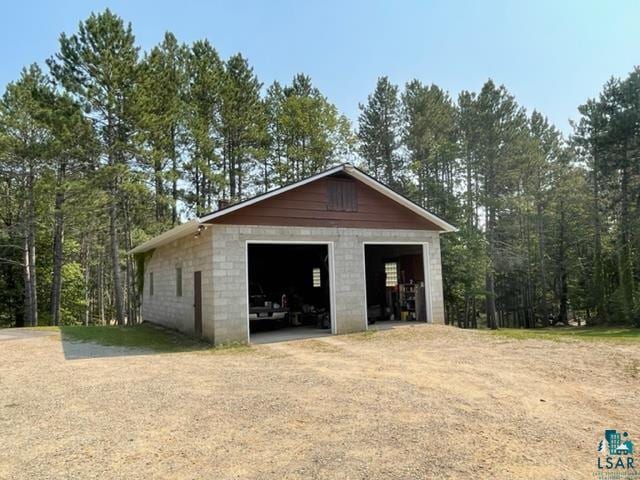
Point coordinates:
[(164, 306), (228, 314)]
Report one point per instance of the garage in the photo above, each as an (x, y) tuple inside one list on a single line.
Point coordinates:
[(290, 292), (395, 283), (332, 253)]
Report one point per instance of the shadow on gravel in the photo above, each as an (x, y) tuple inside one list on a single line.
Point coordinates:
[(106, 341)]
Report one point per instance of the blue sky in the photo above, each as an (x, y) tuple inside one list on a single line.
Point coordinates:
[(552, 55)]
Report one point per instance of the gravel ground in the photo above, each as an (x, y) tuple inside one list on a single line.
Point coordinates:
[(421, 402)]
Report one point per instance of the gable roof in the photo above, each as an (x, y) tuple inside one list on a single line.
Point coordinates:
[(192, 226), (349, 170)]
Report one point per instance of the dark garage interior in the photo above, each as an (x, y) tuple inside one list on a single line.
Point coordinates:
[(289, 289), (395, 283)]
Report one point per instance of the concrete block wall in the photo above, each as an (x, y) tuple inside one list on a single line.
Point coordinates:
[(435, 280), (228, 316), (164, 306)]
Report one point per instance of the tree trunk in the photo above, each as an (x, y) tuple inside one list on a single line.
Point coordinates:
[(207, 186), (159, 190), (174, 179), (491, 299), (86, 250), (28, 296), (625, 255), (232, 171), (490, 276), (132, 303), (58, 242), (598, 268), (530, 287), (114, 158), (467, 307), (469, 210), (118, 296), (265, 174), (199, 209), (544, 311), (474, 313), (100, 289), (31, 291), (562, 269)]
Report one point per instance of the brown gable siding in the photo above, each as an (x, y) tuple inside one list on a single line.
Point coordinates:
[(307, 206)]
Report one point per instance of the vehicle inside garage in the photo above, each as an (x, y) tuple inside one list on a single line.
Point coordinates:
[(289, 292), (395, 283)]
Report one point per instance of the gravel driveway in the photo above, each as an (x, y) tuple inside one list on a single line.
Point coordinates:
[(421, 402)]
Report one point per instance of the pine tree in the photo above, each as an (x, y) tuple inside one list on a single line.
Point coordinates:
[(243, 123), (379, 128), (307, 132), (545, 150), (621, 103), (98, 65), (500, 124), (72, 157), (205, 169), (161, 117), (430, 138), (26, 142), (275, 167), (588, 145), (468, 139)]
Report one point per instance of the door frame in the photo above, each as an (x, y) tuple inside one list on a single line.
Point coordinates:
[(425, 267), (332, 291), (197, 292)]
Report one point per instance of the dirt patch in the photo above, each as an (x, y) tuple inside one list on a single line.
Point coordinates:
[(318, 346), (411, 403)]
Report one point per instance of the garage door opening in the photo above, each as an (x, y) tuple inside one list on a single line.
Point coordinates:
[(289, 291), (395, 278)]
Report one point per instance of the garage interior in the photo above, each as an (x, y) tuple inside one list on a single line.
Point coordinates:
[(289, 292), (395, 283)]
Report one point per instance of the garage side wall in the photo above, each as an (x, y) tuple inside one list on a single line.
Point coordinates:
[(230, 270), (165, 307)]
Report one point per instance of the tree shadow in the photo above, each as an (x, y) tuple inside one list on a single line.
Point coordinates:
[(82, 342)]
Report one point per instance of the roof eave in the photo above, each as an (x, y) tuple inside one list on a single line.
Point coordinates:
[(169, 236)]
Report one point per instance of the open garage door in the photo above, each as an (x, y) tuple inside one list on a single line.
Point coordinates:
[(396, 283), (289, 291)]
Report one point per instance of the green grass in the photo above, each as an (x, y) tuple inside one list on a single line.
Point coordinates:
[(620, 334), (47, 328), (137, 336)]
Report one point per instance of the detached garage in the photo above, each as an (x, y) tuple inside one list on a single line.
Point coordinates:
[(329, 254)]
